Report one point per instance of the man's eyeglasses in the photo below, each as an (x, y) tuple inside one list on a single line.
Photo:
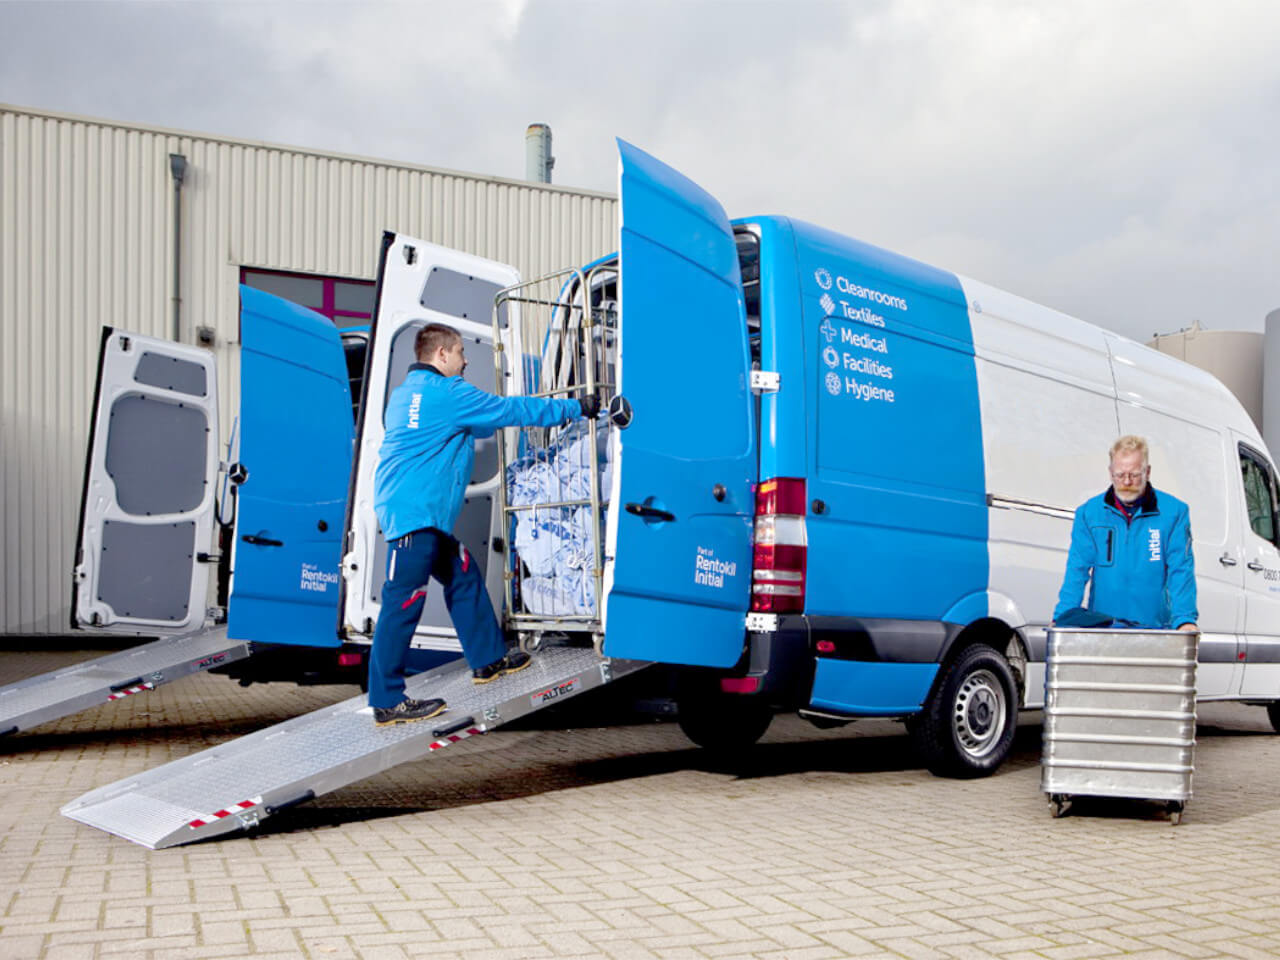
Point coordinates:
[(1132, 476)]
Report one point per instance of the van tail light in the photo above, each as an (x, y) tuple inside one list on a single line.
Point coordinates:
[(779, 547)]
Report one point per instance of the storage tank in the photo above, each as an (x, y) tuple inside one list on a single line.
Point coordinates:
[(1271, 384), (1233, 356)]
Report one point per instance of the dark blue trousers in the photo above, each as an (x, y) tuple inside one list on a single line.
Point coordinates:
[(411, 563)]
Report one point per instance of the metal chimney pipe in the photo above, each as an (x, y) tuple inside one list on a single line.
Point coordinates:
[(178, 170), (538, 160)]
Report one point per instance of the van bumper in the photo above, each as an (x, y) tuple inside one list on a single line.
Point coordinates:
[(866, 666), (789, 663)]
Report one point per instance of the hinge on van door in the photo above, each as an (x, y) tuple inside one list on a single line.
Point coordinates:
[(765, 381)]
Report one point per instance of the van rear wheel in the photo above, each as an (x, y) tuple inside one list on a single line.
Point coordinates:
[(723, 723), (1273, 714), (966, 729)]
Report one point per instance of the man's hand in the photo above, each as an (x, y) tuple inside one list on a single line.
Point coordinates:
[(1189, 627), (590, 405)]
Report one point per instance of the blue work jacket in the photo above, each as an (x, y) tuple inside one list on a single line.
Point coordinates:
[(1141, 569), (432, 422)]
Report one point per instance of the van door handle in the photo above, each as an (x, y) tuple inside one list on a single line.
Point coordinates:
[(262, 541), (1254, 565), (1227, 560), (649, 513)]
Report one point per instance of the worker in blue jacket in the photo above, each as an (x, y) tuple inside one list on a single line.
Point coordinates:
[(424, 465), (1133, 543)]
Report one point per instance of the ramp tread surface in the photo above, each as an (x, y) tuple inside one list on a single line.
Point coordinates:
[(322, 751)]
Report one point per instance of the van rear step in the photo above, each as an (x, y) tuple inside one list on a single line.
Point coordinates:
[(60, 693), (239, 784)]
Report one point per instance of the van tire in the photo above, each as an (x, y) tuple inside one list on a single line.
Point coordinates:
[(966, 729), (723, 723), (1273, 714)]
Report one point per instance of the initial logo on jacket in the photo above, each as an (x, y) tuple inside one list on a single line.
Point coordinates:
[(415, 402), (1153, 543)]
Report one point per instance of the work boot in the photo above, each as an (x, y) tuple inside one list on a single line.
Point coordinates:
[(407, 711), (515, 660)]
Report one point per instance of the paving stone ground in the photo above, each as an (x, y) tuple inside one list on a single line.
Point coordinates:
[(623, 841)]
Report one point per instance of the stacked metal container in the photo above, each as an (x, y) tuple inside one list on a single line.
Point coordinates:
[(1120, 716)]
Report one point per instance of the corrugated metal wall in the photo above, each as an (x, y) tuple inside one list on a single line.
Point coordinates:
[(86, 221)]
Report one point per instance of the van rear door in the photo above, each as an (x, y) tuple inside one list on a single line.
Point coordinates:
[(296, 431), (678, 560), (419, 282), (147, 511)]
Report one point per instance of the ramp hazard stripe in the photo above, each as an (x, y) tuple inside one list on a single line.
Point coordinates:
[(454, 738), (205, 819), (129, 691)]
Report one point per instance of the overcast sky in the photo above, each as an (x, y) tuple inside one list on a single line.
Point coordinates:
[(1114, 159)]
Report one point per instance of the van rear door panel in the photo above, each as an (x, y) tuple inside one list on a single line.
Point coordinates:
[(418, 283), (147, 513), (678, 561), (295, 449)]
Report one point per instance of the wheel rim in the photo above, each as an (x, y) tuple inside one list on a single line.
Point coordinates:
[(980, 712)]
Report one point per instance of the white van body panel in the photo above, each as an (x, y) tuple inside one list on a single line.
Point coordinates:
[(1046, 396), (1054, 392)]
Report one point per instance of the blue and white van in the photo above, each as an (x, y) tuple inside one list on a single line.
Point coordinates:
[(876, 460), (845, 488)]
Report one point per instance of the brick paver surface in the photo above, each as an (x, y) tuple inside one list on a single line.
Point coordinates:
[(623, 841)]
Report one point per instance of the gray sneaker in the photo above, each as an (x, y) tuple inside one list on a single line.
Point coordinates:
[(407, 711)]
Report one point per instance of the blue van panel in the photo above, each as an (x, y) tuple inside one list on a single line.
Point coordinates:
[(296, 434), (864, 688), (783, 429), (679, 588), (970, 608), (896, 451)]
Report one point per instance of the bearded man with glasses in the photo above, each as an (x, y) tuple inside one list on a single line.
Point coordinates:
[(1132, 546)]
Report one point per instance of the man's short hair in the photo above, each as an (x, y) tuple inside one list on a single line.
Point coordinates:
[(1130, 444), (432, 337)]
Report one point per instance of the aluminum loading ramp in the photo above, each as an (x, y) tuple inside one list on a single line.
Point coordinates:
[(239, 784), (51, 696)]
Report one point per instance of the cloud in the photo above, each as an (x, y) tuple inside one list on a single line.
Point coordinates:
[(1111, 159)]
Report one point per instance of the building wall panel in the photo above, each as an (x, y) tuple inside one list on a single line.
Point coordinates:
[(86, 220)]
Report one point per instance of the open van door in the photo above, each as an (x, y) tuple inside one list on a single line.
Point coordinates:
[(678, 562), (147, 512), (419, 282), (294, 465)]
